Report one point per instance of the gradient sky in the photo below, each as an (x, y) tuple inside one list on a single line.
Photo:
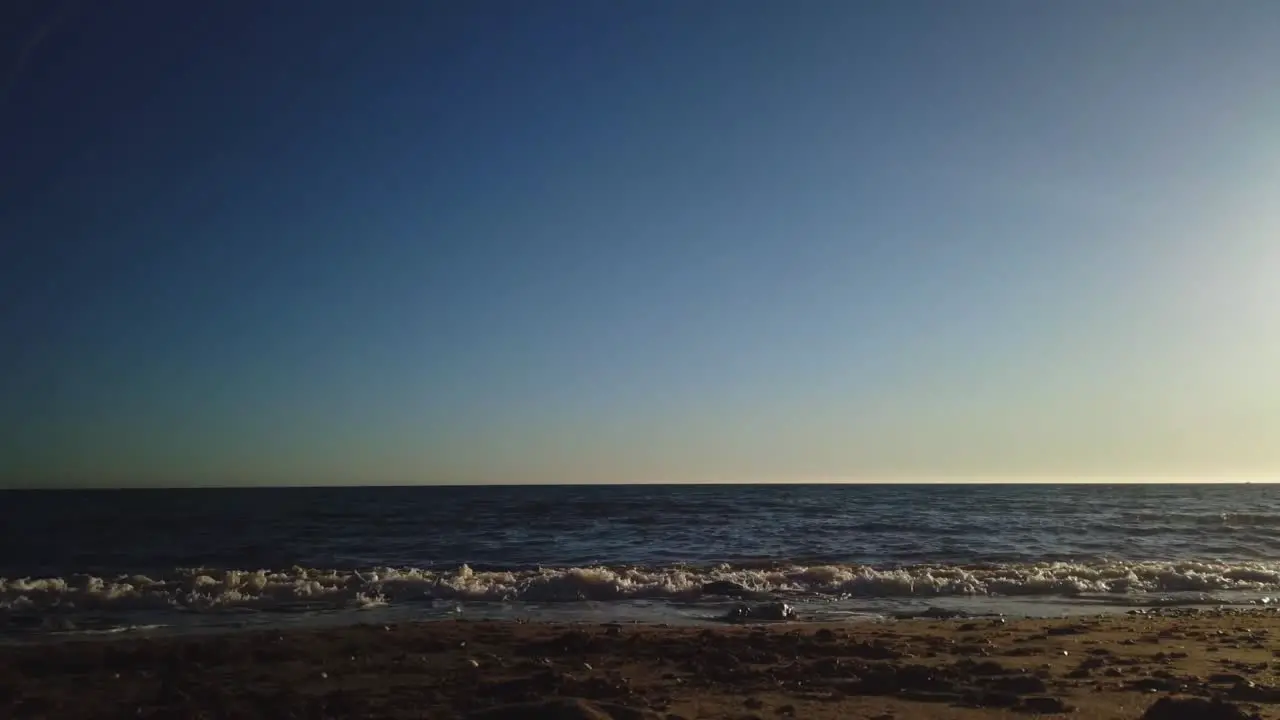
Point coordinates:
[(308, 242)]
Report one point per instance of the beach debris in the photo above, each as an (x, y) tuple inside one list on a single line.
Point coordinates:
[(564, 709), (874, 650), (1250, 691), (932, 613), (1018, 684), (1168, 708), (570, 641), (988, 667), (989, 699), (775, 611), (1087, 666), (1045, 705), (1156, 684)]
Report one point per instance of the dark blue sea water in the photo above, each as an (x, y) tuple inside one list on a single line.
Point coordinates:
[(107, 561)]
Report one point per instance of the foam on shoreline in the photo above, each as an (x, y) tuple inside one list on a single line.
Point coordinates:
[(209, 590)]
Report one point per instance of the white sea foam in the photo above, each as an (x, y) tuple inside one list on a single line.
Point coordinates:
[(204, 590)]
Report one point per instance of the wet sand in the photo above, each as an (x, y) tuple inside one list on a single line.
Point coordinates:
[(1103, 667)]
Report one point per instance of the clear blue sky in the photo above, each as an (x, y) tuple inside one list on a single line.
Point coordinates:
[(272, 241)]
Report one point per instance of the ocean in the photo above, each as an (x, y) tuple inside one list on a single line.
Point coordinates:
[(106, 562)]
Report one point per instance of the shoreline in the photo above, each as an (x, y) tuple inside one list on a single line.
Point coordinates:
[(1095, 666), (24, 628), (672, 592)]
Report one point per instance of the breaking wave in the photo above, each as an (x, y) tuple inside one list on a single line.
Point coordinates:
[(206, 590)]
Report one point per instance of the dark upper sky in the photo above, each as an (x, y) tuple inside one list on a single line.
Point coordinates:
[(420, 241)]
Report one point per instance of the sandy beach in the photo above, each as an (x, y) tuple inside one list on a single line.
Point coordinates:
[(1113, 666)]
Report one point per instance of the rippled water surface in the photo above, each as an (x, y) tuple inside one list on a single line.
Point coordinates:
[(106, 560)]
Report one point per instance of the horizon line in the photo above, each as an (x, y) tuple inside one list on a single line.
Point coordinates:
[(960, 480)]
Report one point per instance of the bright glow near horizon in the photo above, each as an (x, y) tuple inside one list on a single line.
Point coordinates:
[(733, 242)]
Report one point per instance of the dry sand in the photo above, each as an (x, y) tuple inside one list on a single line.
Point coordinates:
[(1103, 667)]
